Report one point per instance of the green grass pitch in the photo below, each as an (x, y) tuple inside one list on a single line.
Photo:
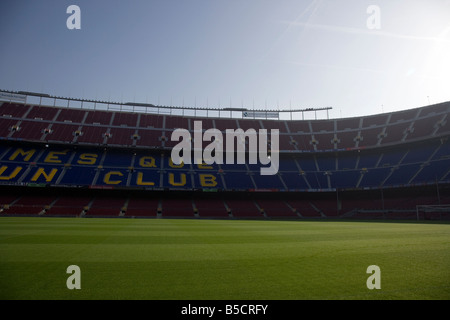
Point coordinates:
[(222, 260)]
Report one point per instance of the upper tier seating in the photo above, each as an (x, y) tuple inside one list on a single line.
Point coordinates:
[(86, 126)]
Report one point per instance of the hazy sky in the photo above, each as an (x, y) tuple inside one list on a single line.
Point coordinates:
[(274, 54)]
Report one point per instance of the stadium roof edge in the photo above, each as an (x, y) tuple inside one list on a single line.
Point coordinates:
[(45, 95), (27, 93), (21, 96)]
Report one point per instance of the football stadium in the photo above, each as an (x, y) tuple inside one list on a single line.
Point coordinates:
[(227, 209), (105, 163), (375, 188)]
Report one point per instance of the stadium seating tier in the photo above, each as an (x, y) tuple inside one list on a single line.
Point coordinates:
[(74, 148)]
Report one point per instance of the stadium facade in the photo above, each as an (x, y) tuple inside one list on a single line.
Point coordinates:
[(106, 159)]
